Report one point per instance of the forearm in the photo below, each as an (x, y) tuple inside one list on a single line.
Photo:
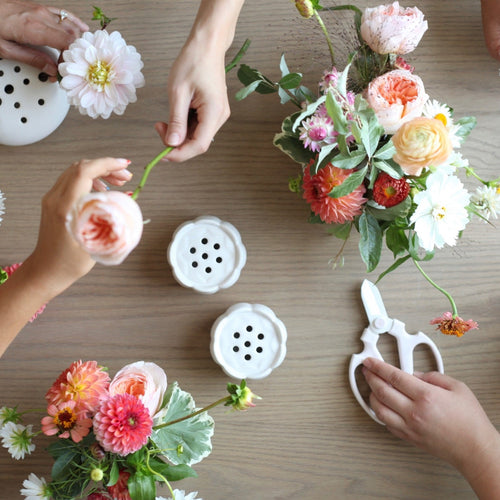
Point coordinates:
[(215, 23), (21, 296)]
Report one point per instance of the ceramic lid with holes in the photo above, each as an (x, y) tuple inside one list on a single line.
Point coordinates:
[(31, 107), (206, 254), (248, 341)]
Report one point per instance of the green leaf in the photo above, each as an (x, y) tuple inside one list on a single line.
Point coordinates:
[(248, 75), (172, 472), (3, 276), (391, 268), (246, 91), (283, 66), (114, 474), (336, 113), (391, 213), (193, 434), (284, 97), (389, 167), (386, 152), (415, 250), (370, 243), (290, 81), (396, 240), (349, 184), (342, 81), (311, 108), (323, 157), (467, 123), (352, 160), (370, 131), (141, 486), (63, 464), (341, 231), (293, 147)]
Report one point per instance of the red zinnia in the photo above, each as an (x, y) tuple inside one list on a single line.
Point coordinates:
[(122, 424), (332, 210), (388, 191), (450, 325)]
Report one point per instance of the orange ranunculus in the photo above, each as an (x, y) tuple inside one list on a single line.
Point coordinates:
[(396, 97), (107, 225), (420, 143), (392, 29)]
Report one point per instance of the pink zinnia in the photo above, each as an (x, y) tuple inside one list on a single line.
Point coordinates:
[(317, 131), (86, 383), (123, 424), (453, 325), (67, 420), (9, 270), (332, 210), (119, 491)]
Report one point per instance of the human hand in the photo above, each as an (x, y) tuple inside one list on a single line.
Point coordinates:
[(198, 102), (25, 23), (490, 12), (58, 260)]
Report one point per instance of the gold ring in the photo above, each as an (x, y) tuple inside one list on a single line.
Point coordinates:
[(62, 16)]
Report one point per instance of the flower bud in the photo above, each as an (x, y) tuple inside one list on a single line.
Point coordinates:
[(241, 396), (305, 8), (96, 474)]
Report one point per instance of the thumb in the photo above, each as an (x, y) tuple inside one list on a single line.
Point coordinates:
[(490, 11)]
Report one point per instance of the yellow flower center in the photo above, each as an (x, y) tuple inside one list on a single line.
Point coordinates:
[(99, 75), (65, 419), (439, 212), (442, 118)]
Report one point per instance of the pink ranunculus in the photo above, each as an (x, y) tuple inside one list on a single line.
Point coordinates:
[(107, 225), (396, 97), (144, 380), (391, 29)]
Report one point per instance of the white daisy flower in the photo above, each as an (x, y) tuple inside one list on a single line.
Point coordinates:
[(441, 211), (182, 495), (35, 488), (101, 73), (454, 162), (17, 438), (486, 200), (2, 205), (442, 112), (8, 415)]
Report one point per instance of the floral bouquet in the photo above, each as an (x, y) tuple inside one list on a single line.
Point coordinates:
[(116, 439), (377, 154)]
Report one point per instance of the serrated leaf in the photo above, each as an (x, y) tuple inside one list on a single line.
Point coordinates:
[(390, 167), (370, 242), (370, 131), (193, 434), (349, 184), (290, 81)]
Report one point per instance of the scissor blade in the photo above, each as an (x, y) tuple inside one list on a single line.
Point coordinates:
[(372, 301)]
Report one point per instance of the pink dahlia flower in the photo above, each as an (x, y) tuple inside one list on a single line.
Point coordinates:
[(123, 424), (332, 210), (86, 383), (66, 420), (9, 270), (101, 73)]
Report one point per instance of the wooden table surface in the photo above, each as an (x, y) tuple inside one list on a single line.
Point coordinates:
[(307, 438)]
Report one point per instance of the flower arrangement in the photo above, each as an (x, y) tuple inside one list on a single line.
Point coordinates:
[(100, 72), (377, 154), (116, 439)]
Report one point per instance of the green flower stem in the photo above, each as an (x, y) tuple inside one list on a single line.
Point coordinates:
[(148, 169), (206, 408), (156, 473), (327, 36), (238, 56), (454, 310)]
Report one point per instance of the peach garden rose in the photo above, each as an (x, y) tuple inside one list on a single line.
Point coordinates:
[(396, 97), (391, 29), (420, 143), (144, 380), (107, 225)]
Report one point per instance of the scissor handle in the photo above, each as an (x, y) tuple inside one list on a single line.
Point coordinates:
[(370, 351), (407, 343)]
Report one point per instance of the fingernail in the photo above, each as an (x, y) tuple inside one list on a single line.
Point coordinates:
[(48, 69), (174, 139), (124, 161), (418, 374)]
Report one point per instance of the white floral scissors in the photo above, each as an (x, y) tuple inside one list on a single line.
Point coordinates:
[(379, 323)]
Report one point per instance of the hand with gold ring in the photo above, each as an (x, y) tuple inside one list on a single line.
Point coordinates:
[(24, 23)]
